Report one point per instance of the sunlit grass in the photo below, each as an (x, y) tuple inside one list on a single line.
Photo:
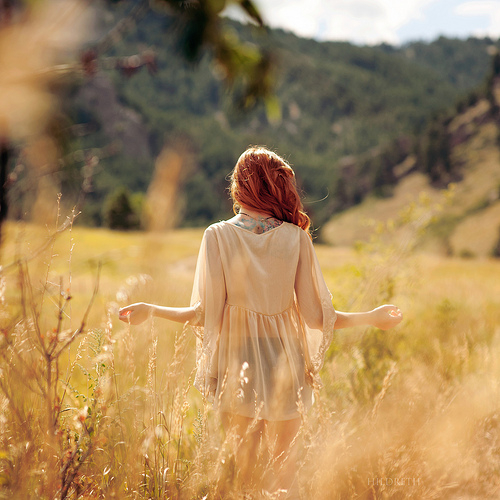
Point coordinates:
[(419, 402)]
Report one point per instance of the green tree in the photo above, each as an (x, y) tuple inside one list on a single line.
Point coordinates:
[(435, 150), (118, 211)]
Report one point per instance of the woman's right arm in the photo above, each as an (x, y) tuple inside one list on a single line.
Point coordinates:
[(139, 312)]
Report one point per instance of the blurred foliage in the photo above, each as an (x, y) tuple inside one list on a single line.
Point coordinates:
[(198, 27)]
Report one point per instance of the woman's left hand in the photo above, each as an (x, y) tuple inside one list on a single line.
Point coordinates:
[(386, 317)]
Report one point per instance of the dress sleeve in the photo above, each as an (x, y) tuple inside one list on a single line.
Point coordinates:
[(314, 306), (208, 298)]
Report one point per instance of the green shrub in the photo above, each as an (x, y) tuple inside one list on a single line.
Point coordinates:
[(119, 211)]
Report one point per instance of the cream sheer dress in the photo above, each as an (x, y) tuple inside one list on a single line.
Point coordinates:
[(264, 320)]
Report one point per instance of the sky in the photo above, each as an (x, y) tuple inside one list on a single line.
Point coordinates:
[(369, 22)]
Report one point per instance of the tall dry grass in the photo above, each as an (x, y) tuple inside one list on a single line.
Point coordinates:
[(94, 408)]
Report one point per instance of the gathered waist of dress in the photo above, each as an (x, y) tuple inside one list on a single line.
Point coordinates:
[(260, 313)]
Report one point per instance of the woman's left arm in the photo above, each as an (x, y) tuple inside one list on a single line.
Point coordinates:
[(383, 317)]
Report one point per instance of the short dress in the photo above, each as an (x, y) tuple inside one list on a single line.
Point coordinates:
[(264, 320)]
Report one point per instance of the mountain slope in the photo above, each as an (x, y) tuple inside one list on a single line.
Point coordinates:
[(466, 213)]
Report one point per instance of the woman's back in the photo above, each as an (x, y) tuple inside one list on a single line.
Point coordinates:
[(259, 269)]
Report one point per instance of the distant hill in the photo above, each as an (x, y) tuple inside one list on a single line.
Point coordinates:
[(339, 103)]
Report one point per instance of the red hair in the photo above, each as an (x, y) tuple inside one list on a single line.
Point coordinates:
[(264, 182)]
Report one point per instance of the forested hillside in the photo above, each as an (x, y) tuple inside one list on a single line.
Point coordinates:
[(347, 114)]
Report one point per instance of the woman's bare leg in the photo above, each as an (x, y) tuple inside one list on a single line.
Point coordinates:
[(278, 437), (282, 438), (248, 434)]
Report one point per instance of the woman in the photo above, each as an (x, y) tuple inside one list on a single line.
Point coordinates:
[(262, 313)]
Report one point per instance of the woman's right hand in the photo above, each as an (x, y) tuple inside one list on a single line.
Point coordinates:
[(135, 314)]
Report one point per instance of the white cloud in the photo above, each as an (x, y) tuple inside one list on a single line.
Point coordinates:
[(360, 21), (488, 8), (480, 7)]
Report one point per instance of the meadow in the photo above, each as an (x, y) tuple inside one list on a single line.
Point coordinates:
[(94, 408)]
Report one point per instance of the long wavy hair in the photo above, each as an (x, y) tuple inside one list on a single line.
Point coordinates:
[(264, 182)]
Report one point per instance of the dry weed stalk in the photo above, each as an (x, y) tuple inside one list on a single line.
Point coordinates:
[(31, 358)]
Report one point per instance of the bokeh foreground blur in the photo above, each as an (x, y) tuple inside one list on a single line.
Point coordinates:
[(37, 46)]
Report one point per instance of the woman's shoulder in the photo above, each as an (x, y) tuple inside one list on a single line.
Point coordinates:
[(293, 229), (217, 230), (286, 228), (215, 227)]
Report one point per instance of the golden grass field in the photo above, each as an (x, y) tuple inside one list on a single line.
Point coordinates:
[(110, 412)]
